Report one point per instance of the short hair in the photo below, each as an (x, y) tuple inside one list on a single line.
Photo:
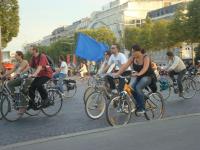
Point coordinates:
[(169, 53), (20, 53), (117, 46), (136, 47), (35, 48)]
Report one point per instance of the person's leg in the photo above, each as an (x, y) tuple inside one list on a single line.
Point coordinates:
[(60, 81), (56, 75), (171, 74), (32, 89), (142, 83), (179, 80), (40, 82), (111, 82), (13, 83), (82, 74)]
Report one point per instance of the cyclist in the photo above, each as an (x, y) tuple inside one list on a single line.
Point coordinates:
[(117, 59), (20, 68), (144, 75), (61, 73), (42, 74), (176, 67), (105, 62)]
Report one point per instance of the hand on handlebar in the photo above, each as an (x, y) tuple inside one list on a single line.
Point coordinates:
[(135, 74)]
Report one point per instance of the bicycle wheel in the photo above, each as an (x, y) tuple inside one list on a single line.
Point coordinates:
[(119, 111), (154, 106), (88, 91), (189, 88), (55, 103), (197, 81), (69, 89), (9, 110), (95, 105)]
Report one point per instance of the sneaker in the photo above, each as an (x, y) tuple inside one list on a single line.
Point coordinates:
[(140, 111)]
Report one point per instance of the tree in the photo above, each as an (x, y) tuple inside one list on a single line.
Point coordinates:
[(194, 21), (131, 35), (178, 31), (102, 34), (9, 20), (160, 33), (145, 36)]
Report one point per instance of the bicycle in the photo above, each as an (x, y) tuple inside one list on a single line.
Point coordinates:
[(166, 86), (10, 104), (120, 108), (69, 87), (95, 104)]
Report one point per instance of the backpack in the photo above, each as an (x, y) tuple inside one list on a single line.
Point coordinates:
[(50, 62)]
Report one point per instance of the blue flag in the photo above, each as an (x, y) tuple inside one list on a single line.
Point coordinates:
[(89, 49)]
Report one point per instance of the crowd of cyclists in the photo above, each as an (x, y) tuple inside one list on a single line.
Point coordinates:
[(140, 67)]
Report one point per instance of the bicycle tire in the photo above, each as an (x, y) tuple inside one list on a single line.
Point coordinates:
[(51, 97), (153, 111), (187, 83), (87, 92), (114, 106), (6, 110), (95, 108)]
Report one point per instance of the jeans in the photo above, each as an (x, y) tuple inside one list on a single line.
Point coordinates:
[(179, 78), (138, 85), (121, 81), (61, 77), (37, 84)]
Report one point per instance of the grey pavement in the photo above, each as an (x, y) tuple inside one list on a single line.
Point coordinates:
[(72, 119), (171, 134)]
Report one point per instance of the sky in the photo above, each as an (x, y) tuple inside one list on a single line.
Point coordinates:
[(38, 18)]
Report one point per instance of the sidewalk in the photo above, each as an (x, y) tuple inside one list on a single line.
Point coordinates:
[(179, 133)]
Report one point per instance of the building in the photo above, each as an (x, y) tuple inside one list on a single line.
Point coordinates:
[(167, 12), (121, 13)]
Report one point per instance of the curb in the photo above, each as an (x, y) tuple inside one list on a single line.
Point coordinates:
[(43, 140)]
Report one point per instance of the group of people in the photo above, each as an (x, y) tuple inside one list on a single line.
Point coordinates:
[(142, 70), (42, 74), (139, 66)]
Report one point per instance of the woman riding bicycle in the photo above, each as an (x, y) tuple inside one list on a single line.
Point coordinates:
[(144, 75)]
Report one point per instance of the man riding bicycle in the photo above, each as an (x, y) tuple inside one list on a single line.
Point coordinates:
[(117, 59), (176, 67), (42, 74), (20, 68)]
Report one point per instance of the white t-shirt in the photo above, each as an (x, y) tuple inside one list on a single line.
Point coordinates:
[(64, 67), (118, 60)]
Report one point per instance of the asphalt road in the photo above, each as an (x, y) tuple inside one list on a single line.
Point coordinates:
[(72, 119)]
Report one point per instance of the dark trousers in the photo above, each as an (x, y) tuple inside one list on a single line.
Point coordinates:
[(121, 81), (179, 78), (37, 84)]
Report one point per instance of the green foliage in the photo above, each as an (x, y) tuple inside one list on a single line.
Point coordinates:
[(61, 47), (178, 27), (194, 21), (9, 20), (103, 34)]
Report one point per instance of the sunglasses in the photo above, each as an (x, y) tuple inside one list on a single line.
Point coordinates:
[(113, 47)]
